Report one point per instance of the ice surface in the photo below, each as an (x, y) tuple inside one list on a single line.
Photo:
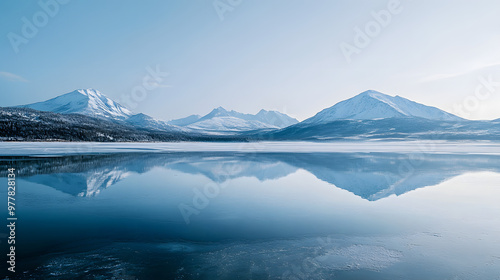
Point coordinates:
[(64, 148)]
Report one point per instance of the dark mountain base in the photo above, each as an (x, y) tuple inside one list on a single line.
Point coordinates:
[(390, 129), (23, 124)]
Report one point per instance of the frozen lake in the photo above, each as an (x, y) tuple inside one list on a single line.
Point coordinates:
[(377, 210), (65, 148)]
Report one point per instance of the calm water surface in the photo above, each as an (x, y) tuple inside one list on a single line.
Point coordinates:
[(228, 215)]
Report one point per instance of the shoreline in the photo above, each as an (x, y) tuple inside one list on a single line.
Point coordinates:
[(422, 147)]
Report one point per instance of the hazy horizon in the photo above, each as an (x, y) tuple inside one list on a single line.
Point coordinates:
[(295, 57)]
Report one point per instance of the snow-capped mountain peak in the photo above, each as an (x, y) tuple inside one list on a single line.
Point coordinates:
[(88, 102), (220, 119), (218, 112), (275, 118), (371, 104)]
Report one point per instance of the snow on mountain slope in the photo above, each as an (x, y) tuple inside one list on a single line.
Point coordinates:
[(144, 121), (371, 105), (221, 112), (88, 102), (185, 121), (220, 119), (228, 123), (275, 118)]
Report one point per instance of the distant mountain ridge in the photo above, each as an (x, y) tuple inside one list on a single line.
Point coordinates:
[(220, 119), (93, 103), (185, 121), (367, 116), (144, 121)]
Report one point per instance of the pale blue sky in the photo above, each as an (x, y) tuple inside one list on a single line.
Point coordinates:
[(271, 54)]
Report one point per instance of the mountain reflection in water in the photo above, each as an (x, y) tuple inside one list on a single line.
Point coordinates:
[(371, 176)]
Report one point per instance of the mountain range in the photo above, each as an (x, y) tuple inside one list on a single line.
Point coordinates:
[(92, 103), (220, 120), (88, 115)]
